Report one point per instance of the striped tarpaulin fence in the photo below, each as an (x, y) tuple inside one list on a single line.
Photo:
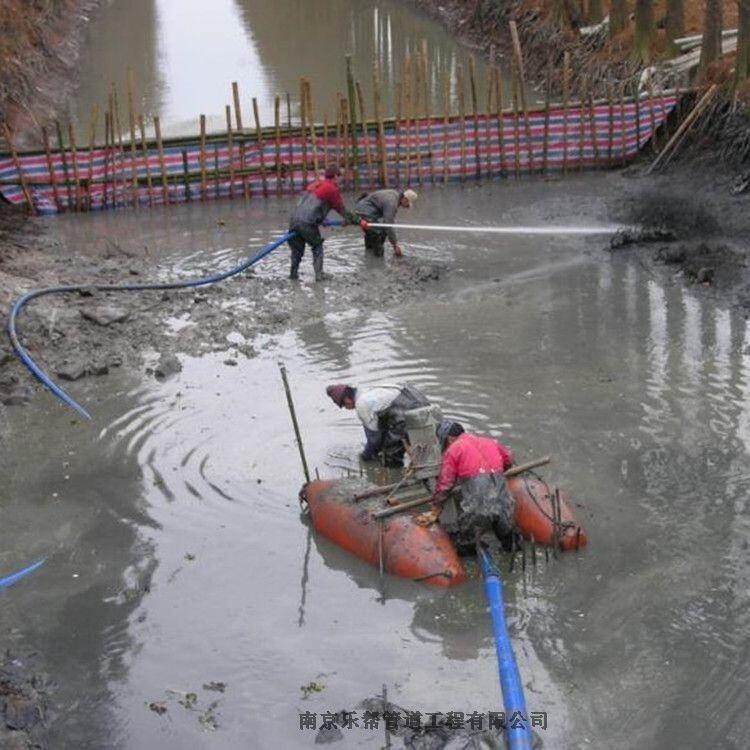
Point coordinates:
[(422, 150)]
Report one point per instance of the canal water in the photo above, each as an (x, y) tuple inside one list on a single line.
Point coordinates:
[(185, 54), (177, 555)]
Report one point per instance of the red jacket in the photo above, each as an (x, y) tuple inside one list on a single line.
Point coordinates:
[(470, 455), (318, 199)]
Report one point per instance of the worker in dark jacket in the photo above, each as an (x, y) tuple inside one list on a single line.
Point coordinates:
[(476, 465), (380, 207), (312, 208), (381, 410)]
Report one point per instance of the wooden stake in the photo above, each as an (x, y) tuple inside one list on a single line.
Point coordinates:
[(547, 102), (637, 100), (611, 129), (407, 113), (277, 140), (345, 132), (428, 107), (593, 127), (415, 106), (240, 136), (290, 139), (500, 118), (624, 127), (399, 104), (120, 148), (475, 115), (131, 123), (295, 424), (144, 149), (92, 144), (112, 150), (382, 150), (352, 120), (230, 148), (652, 118), (446, 125), (311, 124), (487, 119), (186, 176), (66, 174), (217, 174), (522, 92), (261, 148), (303, 128), (462, 118), (18, 168), (204, 180), (566, 104), (74, 156), (581, 123), (516, 118), (325, 141), (365, 136), (50, 167), (162, 163), (107, 128)]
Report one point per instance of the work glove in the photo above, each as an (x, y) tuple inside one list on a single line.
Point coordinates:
[(350, 218), (363, 225), (397, 251), (427, 518)]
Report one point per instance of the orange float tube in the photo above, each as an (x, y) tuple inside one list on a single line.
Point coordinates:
[(411, 551), (535, 515)]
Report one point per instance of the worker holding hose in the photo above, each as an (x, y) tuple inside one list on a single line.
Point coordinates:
[(381, 410), (313, 206), (476, 464), (379, 207)]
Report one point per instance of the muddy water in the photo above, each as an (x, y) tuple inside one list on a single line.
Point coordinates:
[(185, 54), (176, 551)]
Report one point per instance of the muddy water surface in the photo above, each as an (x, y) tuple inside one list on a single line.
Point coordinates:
[(185, 54), (177, 555)]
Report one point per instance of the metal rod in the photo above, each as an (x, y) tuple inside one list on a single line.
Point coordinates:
[(293, 414), (507, 230)]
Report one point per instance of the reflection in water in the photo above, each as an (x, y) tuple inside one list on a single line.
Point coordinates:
[(186, 53)]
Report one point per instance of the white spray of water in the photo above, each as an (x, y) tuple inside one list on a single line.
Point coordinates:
[(549, 230)]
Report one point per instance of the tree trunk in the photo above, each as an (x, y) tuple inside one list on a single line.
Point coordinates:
[(675, 23), (742, 66), (711, 45), (596, 12), (618, 17), (644, 31)]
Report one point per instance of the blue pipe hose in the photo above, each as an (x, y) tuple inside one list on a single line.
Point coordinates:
[(19, 304), (15, 577), (514, 701)]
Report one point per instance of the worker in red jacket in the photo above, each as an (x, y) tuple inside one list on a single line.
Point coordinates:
[(477, 464), (313, 206)]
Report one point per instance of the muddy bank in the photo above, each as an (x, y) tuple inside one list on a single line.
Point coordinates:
[(23, 703), (39, 49)]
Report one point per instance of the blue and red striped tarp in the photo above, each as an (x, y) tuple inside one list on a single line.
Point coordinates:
[(423, 150)]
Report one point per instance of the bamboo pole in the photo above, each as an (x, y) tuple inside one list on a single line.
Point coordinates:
[(611, 129), (144, 149), (50, 167), (92, 145), (63, 158), (594, 127), (107, 128), (162, 163), (217, 173), (352, 120), (240, 135), (348, 167), (131, 123), (500, 118), (446, 125), (581, 123), (120, 148), (417, 93), (399, 106), (428, 106), (261, 148), (406, 88), (624, 127), (377, 104), (325, 141), (311, 125), (652, 118), (365, 135), (303, 129), (186, 176), (74, 157), (516, 126), (295, 424), (487, 119), (462, 118), (277, 140), (17, 165), (204, 179), (290, 139), (547, 103), (475, 115), (637, 100), (230, 148), (522, 92), (566, 104), (112, 150)]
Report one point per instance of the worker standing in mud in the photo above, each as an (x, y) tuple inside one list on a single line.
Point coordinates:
[(381, 410), (313, 206), (477, 464), (378, 207)]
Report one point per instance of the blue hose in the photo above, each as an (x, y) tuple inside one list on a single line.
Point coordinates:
[(15, 577), (45, 379), (514, 701)]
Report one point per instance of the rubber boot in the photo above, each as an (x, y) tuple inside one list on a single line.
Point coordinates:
[(320, 275)]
